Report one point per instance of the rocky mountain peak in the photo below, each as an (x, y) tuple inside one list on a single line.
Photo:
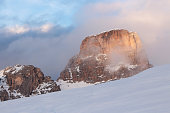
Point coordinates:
[(23, 81), (107, 56), (120, 42)]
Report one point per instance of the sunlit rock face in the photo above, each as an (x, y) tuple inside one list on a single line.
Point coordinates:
[(23, 81), (108, 56)]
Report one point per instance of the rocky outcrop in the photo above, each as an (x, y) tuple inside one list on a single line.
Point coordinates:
[(24, 81), (108, 56)]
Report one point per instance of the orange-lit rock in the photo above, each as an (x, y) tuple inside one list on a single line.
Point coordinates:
[(108, 56)]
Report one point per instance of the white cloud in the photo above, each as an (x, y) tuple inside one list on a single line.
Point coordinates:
[(46, 27), (17, 29), (20, 29)]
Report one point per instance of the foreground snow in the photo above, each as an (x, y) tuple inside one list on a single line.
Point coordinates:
[(147, 92)]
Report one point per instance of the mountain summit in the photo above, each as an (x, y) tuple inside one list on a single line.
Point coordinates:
[(108, 56), (23, 81)]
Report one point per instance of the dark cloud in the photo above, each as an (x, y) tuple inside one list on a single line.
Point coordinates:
[(46, 50), (50, 54), (7, 37)]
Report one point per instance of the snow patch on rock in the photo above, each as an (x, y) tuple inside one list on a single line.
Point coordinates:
[(84, 58), (3, 81), (101, 57), (71, 75), (114, 68), (78, 69), (14, 69), (44, 87)]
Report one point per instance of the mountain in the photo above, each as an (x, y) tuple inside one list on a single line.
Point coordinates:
[(108, 56), (146, 92), (24, 81)]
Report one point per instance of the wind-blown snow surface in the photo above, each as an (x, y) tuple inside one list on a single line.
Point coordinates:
[(147, 92)]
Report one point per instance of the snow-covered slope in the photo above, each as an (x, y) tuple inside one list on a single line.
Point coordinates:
[(147, 92)]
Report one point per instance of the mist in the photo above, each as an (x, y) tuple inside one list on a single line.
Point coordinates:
[(149, 18)]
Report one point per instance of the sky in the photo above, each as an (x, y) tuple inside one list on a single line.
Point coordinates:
[(47, 33)]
